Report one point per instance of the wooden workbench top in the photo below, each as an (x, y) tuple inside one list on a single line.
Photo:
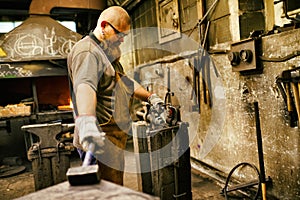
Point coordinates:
[(103, 190)]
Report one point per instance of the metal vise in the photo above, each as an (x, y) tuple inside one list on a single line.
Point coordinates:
[(163, 154)]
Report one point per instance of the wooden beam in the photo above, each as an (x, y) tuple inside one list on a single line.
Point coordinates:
[(269, 14)]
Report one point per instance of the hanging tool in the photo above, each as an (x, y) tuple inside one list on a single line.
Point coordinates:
[(285, 91), (196, 94), (288, 83), (295, 90), (203, 62), (169, 94), (291, 108)]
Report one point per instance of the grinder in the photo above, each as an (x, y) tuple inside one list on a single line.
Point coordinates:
[(86, 174)]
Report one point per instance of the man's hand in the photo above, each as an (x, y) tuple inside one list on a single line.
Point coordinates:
[(89, 133), (155, 100), (157, 109)]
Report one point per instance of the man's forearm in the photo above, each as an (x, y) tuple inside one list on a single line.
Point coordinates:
[(86, 100), (142, 94)]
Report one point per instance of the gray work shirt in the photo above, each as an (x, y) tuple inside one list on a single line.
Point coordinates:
[(88, 63)]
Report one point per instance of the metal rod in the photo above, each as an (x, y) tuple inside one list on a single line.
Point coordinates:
[(242, 185), (208, 11), (260, 151)]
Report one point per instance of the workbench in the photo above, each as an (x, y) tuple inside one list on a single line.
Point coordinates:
[(103, 190)]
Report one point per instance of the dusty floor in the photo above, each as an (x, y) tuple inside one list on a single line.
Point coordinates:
[(203, 187)]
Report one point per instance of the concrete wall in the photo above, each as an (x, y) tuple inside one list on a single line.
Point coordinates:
[(237, 140), (223, 131)]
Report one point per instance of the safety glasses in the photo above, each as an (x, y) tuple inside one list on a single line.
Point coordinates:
[(119, 33)]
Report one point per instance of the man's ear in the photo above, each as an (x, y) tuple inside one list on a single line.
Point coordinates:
[(103, 24)]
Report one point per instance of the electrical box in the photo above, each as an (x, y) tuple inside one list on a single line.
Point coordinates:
[(244, 56)]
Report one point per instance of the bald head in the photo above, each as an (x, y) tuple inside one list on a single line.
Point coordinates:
[(117, 16)]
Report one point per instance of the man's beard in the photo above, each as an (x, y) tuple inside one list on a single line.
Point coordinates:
[(113, 51), (116, 43)]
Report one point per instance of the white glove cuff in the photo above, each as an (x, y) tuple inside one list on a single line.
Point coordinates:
[(86, 118), (153, 98)]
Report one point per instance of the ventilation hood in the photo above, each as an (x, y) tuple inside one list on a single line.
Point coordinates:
[(40, 45), (40, 37), (37, 38)]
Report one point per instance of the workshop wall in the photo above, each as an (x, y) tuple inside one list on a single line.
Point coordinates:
[(237, 140), (220, 111)]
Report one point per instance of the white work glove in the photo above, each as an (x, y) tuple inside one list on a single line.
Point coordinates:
[(157, 109), (89, 133), (155, 100)]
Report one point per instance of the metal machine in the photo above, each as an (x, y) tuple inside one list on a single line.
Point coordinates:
[(164, 154)]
